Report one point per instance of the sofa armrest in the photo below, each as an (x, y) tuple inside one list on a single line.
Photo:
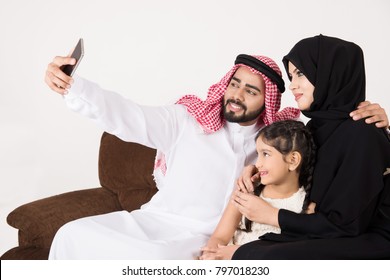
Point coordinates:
[(38, 221)]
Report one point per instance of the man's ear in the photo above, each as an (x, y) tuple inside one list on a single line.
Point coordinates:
[(294, 160)]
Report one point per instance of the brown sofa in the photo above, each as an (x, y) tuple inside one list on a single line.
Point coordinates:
[(125, 174)]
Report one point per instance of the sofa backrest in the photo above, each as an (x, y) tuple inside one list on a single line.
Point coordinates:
[(126, 169)]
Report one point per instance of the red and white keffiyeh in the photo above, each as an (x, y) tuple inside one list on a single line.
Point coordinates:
[(208, 113)]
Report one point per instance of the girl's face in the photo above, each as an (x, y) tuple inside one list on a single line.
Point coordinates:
[(272, 166), (301, 88)]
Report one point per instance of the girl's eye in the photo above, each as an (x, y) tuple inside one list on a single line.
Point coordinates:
[(265, 154), (299, 73)]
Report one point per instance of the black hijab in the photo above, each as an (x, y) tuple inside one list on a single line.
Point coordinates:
[(351, 156), (336, 69)]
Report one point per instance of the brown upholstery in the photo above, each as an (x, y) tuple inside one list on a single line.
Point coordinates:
[(126, 170), (125, 173)]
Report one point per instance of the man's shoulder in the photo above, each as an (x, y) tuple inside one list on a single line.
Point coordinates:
[(181, 112)]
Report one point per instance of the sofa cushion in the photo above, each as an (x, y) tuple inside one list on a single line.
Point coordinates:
[(126, 169), (38, 221), (26, 253)]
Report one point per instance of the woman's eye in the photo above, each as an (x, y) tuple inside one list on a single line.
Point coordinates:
[(299, 73)]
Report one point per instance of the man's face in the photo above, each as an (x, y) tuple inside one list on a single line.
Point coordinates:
[(243, 101)]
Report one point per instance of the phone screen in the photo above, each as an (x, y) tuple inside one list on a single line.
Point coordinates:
[(78, 54)]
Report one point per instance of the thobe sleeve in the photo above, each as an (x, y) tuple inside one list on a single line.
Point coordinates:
[(155, 127)]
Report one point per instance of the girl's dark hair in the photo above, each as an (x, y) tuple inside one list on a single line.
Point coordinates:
[(288, 136)]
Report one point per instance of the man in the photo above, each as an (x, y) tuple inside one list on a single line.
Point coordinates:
[(202, 148)]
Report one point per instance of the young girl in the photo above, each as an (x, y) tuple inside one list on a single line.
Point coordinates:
[(285, 161)]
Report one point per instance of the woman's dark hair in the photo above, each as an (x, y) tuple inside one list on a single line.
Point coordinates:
[(286, 137)]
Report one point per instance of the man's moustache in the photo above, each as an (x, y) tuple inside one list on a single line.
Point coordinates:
[(236, 102)]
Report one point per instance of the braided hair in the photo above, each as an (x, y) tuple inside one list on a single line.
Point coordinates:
[(288, 136)]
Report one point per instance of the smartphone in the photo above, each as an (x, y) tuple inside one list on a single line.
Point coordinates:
[(77, 54)]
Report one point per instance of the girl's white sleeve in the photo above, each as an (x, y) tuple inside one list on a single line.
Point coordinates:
[(156, 127)]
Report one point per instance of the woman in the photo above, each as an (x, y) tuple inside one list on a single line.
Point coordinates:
[(351, 181)]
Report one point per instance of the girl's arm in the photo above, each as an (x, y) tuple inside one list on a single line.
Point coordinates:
[(224, 231)]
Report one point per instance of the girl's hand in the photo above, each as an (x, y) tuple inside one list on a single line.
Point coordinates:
[(223, 252), (208, 253)]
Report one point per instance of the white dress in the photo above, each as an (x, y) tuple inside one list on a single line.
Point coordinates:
[(201, 172), (293, 203)]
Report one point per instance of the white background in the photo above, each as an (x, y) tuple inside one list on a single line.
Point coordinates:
[(152, 52)]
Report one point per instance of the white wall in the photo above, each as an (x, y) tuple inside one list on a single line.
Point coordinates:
[(153, 52)]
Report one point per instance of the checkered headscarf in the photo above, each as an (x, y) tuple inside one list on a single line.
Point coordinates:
[(208, 113)]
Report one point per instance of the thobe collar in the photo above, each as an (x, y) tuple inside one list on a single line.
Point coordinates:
[(247, 131)]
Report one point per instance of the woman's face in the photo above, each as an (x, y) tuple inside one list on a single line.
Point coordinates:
[(301, 88)]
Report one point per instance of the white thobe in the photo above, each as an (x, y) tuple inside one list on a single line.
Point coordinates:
[(181, 216)]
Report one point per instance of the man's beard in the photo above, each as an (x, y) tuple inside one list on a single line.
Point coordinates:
[(244, 117)]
